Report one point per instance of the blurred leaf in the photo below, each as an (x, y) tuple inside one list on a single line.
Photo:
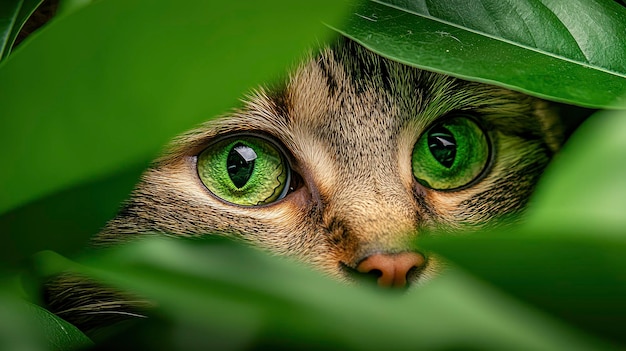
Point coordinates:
[(122, 77), (580, 279), (119, 79), (13, 15), (241, 296), (74, 215), (68, 6), (584, 189), (25, 326), (569, 259), (574, 54)]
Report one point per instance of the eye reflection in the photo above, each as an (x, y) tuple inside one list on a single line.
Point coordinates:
[(442, 146)]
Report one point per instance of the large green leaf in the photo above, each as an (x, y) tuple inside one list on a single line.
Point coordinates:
[(119, 79), (574, 53), (569, 257), (110, 95), (226, 294)]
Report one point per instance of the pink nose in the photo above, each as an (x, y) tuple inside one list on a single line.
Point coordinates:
[(393, 268)]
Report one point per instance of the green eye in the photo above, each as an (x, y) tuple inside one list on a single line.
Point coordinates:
[(244, 170), (450, 155)]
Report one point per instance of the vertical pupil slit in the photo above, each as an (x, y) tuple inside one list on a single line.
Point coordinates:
[(240, 164), (442, 145)]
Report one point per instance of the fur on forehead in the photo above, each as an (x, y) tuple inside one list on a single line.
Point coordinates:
[(349, 80)]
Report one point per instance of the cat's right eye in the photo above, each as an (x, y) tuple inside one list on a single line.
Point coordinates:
[(246, 170), (450, 154)]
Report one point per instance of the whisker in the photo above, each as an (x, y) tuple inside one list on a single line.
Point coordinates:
[(119, 313)]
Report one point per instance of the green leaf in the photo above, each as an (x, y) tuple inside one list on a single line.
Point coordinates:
[(9, 11), (25, 326), (68, 6), (584, 188), (574, 54), (60, 335), (74, 215), (579, 279), (568, 259), (109, 96), (13, 15), (221, 293), (119, 79)]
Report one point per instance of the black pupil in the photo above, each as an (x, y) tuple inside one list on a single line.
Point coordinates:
[(442, 146), (240, 164)]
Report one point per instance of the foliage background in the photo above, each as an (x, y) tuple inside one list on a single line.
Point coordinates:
[(87, 101)]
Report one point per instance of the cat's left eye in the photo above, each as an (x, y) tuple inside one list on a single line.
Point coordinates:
[(451, 154), (245, 170)]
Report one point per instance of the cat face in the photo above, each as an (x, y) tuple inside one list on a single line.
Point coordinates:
[(343, 167), (347, 164)]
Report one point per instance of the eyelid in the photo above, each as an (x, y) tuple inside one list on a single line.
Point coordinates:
[(241, 133), (469, 114)]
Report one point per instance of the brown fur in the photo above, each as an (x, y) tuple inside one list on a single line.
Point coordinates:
[(349, 120)]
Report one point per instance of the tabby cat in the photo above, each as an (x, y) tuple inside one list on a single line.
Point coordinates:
[(342, 167)]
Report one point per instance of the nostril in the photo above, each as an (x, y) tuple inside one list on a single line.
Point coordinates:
[(375, 273), (391, 269)]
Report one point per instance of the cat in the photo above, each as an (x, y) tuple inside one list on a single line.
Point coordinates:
[(341, 167)]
